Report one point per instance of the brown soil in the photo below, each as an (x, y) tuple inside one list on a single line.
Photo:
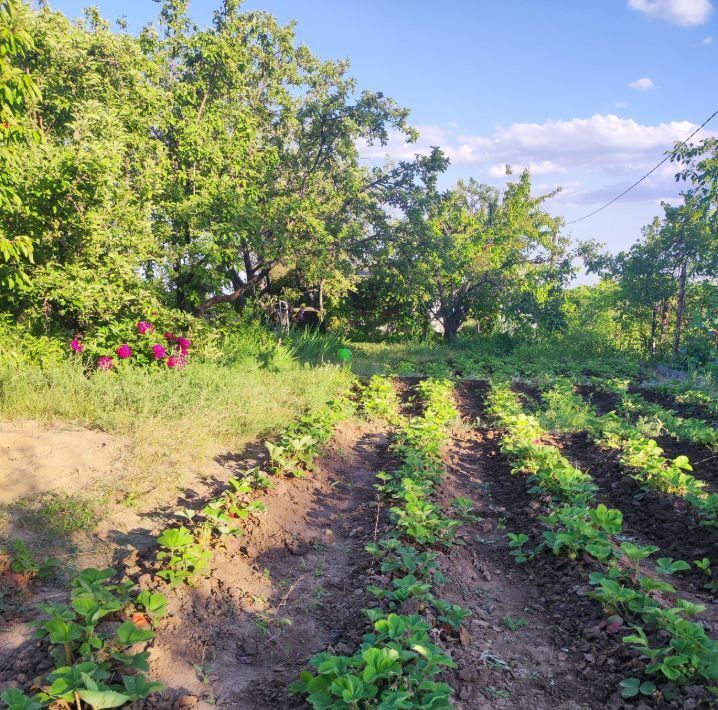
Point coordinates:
[(409, 404), (292, 586), (656, 519), (564, 657), (36, 458), (603, 402), (703, 459), (668, 401), (529, 395), (559, 655)]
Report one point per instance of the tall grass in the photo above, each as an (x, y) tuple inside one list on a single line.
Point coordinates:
[(173, 422)]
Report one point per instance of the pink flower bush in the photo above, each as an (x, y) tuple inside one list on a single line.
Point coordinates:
[(183, 345), (104, 362), (176, 361), (124, 351), (141, 349)]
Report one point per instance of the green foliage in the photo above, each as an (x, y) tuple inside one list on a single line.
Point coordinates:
[(61, 513), (182, 557), (295, 449), (100, 668), (24, 562), (394, 667), (379, 400)]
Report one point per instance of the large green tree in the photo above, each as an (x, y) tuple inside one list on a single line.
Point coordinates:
[(261, 137), (19, 93), (476, 251)]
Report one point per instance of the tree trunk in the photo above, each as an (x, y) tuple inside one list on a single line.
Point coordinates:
[(451, 327), (665, 314), (680, 306), (654, 325)]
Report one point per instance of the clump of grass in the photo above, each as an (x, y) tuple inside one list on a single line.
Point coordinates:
[(60, 514), (514, 623)]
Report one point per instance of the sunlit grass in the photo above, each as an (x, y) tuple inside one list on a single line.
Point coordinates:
[(173, 422)]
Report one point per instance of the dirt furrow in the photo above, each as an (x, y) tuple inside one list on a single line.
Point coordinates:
[(537, 640), (668, 401), (654, 519), (293, 586)]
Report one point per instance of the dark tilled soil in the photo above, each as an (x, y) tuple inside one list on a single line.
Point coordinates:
[(535, 640), (656, 519), (603, 402), (703, 460), (580, 664), (668, 401), (409, 404), (529, 394)]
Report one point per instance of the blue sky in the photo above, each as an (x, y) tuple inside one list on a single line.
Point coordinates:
[(588, 93)]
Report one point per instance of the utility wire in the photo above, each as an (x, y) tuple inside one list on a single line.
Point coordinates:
[(653, 170)]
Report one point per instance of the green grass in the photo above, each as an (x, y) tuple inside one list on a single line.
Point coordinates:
[(60, 514), (173, 422), (396, 358)]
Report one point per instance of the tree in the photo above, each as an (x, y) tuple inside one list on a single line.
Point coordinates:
[(261, 138), (19, 92), (472, 250), (87, 187)]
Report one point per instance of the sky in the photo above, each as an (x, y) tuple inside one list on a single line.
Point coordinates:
[(589, 94)]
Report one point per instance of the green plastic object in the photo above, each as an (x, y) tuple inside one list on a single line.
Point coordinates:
[(344, 355)]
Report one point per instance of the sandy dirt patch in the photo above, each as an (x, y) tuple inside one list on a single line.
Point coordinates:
[(37, 458)]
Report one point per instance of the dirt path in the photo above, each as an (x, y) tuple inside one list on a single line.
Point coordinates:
[(536, 639), (293, 586)]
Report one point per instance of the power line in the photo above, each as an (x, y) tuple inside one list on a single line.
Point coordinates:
[(652, 170)]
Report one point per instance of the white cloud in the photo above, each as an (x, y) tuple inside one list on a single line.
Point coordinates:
[(543, 167), (583, 154), (642, 84), (686, 13), (707, 40)]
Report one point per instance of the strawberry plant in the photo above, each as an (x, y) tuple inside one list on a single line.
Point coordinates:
[(517, 542), (397, 557), (394, 667), (96, 666), (574, 530), (24, 562), (379, 400), (667, 565), (182, 556), (633, 687)]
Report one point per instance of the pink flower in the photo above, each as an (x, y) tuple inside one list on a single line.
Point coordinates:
[(176, 361), (144, 327), (76, 345), (124, 351), (104, 362), (535, 441), (169, 336), (183, 344), (159, 351)]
